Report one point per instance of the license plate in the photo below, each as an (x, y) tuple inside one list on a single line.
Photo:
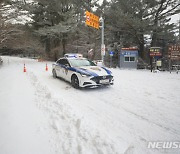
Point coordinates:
[(104, 81)]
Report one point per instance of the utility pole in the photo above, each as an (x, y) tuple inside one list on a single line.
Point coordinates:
[(102, 39), (179, 29)]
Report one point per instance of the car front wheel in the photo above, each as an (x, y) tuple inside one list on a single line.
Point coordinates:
[(75, 81), (54, 73)]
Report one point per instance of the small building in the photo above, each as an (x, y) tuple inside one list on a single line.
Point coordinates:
[(128, 58)]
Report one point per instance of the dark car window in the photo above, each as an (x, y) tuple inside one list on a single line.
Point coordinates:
[(81, 62), (63, 62)]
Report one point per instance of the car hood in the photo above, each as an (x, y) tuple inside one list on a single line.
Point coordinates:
[(94, 70)]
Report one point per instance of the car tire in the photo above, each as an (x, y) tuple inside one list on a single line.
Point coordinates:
[(54, 73), (75, 81)]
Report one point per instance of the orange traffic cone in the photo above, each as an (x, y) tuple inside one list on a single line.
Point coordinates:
[(46, 67), (24, 68)]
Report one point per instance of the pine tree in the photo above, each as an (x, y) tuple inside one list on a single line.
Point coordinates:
[(131, 20)]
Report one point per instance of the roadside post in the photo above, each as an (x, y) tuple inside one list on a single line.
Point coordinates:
[(102, 39), (111, 53), (103, 51), (151, 59), (169, 65)]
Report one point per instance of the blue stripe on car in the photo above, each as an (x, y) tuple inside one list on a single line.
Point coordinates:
[(107, 71), (82, 71), (89, 72), (79, 70)]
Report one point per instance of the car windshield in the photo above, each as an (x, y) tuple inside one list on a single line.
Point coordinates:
[(81, 62)]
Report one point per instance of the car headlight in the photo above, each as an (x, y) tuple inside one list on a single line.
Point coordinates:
[(85, 75)]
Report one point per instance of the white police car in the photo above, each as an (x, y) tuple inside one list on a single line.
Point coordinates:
[(81, 72)]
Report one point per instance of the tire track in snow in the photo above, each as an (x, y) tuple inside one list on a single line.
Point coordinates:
[(141, 116), (139, 139), (69, 133)]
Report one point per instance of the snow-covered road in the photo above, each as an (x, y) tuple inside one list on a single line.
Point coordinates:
[(43, 115)]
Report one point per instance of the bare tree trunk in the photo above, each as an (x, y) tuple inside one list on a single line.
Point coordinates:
[(64, 44), (141, 50), (47, 46), (154, 35)]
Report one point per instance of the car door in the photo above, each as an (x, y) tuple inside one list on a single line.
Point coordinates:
[(65, 70), (59, 68)]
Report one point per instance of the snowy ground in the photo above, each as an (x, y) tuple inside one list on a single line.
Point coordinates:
[(43, 115)]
